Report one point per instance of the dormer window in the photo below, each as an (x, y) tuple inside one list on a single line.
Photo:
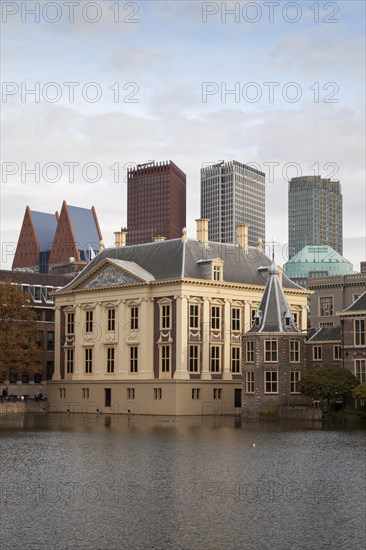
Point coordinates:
[(217, 273)]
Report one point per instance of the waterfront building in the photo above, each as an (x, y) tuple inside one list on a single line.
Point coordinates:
[(39, 289), (274, 353), (353, 337), (156, 202), (333, 294), (314, 213), (233, 193), (156, 328)]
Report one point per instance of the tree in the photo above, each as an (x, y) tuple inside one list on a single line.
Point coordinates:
[(328, 384), (19, 351), (360, 392)]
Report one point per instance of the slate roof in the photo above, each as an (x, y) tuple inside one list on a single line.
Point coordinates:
[(325, 334), (31, 278), (358, 305), (175, 259), (84, 228), (274, 314), (45, 227)]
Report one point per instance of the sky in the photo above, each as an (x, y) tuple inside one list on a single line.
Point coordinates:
[(92, 88)]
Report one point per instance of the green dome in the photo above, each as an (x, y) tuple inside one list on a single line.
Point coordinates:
[(317, 260)]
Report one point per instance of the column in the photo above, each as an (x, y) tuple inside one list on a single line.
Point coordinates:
[(181, 344), (58, 344), (146, 348), (226, 374), (205, 367)]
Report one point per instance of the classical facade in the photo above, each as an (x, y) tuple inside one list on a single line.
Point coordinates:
[(157, 328), (333, 294), (274, 353)]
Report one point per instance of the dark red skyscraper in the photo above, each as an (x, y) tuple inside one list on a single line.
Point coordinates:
[(156, 202)]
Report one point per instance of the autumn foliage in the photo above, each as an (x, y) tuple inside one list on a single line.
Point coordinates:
[(19, 352)]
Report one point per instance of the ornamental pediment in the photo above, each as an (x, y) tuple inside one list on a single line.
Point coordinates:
[(115, 273)]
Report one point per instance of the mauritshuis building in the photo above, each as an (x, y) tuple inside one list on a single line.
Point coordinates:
[(156, 202), (314, 213), (157, 328), (233, 193)]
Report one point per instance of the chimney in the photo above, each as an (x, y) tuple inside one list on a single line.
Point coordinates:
[(280, 271), (242, 236), (260, 245), (120, 238), (202, 230), (159, 239)]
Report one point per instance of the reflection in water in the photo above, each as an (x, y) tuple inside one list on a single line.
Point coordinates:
[(200, 483)]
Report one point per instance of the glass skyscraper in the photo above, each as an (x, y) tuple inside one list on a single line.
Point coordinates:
[(314, 213), (233, 193)]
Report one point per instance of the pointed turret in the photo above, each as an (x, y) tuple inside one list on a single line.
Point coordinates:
[(274, 314)]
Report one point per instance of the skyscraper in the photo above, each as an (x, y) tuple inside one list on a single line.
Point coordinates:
[(233, 193), (314, 213), (156, 202)]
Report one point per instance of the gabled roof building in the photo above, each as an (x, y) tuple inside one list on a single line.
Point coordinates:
[(156, 328)]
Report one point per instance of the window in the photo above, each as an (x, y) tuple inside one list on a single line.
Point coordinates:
[(217, 272), (107, 397), (235, 319), (50, 341), (271, 381), (294, 381), (196, 393), (49, 315), (70, 323), (110, 359), (326, 306), (165, 358), (235, 359), (62, 393), (85, 393), (215, 317), (249, 381), (111, 318), (337, 352), (250, 351), (158, 393), (270, 349), (89, 321), (215, 358), (360, 370), (193, 358), (295, 316), (88, 360), (194, 319), (133, 359), (165, 316), (70, 361), (359, 329), (37, 294), (294, 351), (217, 393), (317, 353), (134, 317), (48, 294), (130, 393)]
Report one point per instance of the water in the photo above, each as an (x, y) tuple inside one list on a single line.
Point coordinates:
[(70, 482)]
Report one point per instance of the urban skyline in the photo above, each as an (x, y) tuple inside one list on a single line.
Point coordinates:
[(171, 98), (315, 213), (233, 193)]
